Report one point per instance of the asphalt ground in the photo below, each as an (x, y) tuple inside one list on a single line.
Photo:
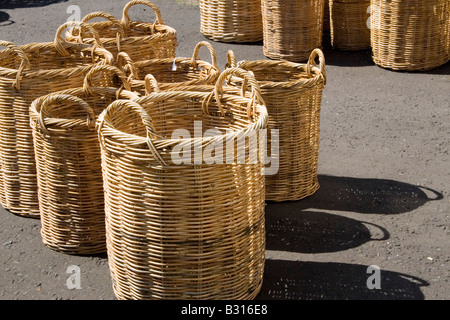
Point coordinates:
[(383, 170)]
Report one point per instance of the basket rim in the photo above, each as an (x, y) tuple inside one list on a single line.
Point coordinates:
[(213, 71), (159, 28), (104, 124), (269, 84), (77, 93), (318, 73), (31, 48)]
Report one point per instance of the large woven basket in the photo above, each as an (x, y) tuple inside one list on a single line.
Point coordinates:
[(189, 230), (140, 40), (292, 29), (293, 95), (410, 34), (68, 164), (231, 20), (171, 74), (349, 24), (26, 73)]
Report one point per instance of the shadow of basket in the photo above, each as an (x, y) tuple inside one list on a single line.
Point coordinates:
[(293, 280), (361, 195), (12, 4), (317, 232)]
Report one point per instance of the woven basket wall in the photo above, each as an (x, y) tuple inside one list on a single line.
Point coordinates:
[(68, 165), (192, 230), (231, 20), (146, 76), (26, 73), (293, 96), (292, 29), (349, 24), (410, 35), (140, 40)]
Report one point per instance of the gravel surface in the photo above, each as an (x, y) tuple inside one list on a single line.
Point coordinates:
[(384, 177)]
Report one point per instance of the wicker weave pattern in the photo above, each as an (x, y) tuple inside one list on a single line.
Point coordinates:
[(231, 20), (171, 74), (140, 40), (410, 35), (182, 231), (349, 28), (68, 165), (293, 95), (292, 29), (26, 73)]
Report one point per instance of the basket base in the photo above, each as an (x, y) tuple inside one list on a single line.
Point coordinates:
[(410, 66), (32, 214), (232, 38), (276, 196), (299, 56)]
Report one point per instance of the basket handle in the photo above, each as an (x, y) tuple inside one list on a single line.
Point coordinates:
[(52, 98), (123, 59), (126, 18), (255, 92), (231, 60), (59, 39), (128, 105), (151, 84), (232, 63), (116, 23), (87, 84), (24, 63), (211, 50), (312, 63)]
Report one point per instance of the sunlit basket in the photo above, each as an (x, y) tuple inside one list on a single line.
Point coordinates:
[(292, 29), (293, 96), (26, 73), (140, 40), (68, 164), (350, 24), (231, 20), (189, 229), (410, 34), (145, 76)]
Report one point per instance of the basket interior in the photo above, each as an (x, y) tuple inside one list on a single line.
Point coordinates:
[(72, 111), (107, 29), (279, 72), (164, 72), (174, 115), (44, 56)]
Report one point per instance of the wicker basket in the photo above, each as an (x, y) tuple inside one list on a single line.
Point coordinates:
[(140, 40), (293, 95), (292, 29), (231, 20), (349, 27), (68, 164), (170, 74), (410, 35), (26, 73), (190, 230)]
